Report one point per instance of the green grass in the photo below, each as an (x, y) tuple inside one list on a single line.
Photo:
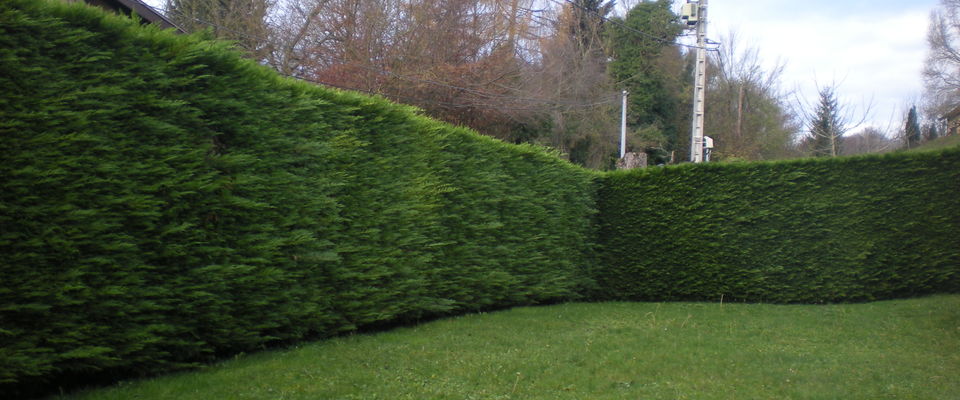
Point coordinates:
[(939, 143), (905, 349)]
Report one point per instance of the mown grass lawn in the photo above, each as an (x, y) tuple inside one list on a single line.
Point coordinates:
[(939, 143), (904, 349)]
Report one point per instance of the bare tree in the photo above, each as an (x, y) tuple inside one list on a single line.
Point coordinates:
[(750, 116), (298, 27), (571, 78), (941, 73), (869, 140), (498, 66), (241, 21), (462, 61)]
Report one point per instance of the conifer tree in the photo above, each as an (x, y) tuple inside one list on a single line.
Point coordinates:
[(931, 132), (912, 131), (826, 128)]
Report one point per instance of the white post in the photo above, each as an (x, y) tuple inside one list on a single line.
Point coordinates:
[(699, 85), (623, 126)]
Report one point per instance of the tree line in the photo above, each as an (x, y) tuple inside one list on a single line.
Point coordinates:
[(545, 72)]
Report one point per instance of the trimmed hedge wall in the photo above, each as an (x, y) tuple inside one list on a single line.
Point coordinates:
[(164, 202), (809, 231)]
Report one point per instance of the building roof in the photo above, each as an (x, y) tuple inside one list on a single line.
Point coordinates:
[(952, 114), (138, 7)]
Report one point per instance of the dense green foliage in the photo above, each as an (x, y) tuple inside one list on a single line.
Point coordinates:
[(164, 202), (810, 231), (655, 74)]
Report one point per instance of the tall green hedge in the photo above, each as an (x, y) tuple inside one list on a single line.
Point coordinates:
[(164, 202), (811, 231)]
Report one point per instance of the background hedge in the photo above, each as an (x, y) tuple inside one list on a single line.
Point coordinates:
[(164, 202), (810, 231)]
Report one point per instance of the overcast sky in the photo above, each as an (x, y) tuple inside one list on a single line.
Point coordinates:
[(872, 49)]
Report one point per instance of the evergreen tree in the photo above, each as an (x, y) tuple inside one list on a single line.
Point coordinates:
[(931, 132), (912, 131), (645, 64), (826, 128)]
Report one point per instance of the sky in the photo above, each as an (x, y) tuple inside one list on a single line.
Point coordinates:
[(873, 51)]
